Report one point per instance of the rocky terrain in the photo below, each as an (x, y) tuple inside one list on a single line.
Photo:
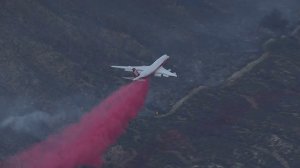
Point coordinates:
[(234, 103), (249, 121)]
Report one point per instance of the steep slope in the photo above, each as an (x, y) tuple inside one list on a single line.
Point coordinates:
[(55, 56), (253, 121)]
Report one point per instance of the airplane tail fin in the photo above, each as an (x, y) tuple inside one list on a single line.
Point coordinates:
[(135, 72)]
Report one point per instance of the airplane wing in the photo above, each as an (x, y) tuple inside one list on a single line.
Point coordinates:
[(130, 68), (161, 71)]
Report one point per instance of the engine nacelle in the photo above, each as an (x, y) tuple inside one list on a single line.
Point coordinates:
[(158, 75), (165, 75)]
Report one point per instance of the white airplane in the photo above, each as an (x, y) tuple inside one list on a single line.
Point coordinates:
[(156, 69)]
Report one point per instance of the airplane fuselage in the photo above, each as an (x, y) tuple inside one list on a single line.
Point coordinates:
[(156, 69), (153, 67)]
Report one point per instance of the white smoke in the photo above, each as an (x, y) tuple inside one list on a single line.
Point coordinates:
[(23, 117), (37, 123)]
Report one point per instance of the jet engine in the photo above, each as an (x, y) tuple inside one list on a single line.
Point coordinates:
[(158, 75)]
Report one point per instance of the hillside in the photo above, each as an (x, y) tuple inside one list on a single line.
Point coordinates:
[(251, 121), (54, 67)]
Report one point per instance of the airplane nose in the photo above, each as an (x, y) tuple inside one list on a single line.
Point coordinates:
[(166, 56)]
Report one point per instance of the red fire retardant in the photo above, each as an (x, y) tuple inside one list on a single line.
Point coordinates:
[(84, 143)]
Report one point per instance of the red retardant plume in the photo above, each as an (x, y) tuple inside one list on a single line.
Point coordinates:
[(85, 142)]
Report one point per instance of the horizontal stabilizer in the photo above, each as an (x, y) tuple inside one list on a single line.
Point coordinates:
[(129, 78)]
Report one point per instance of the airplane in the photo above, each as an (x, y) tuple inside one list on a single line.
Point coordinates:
[(156, 69)]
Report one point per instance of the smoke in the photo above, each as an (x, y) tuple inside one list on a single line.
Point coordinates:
[(36, 123), (83, 143)]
